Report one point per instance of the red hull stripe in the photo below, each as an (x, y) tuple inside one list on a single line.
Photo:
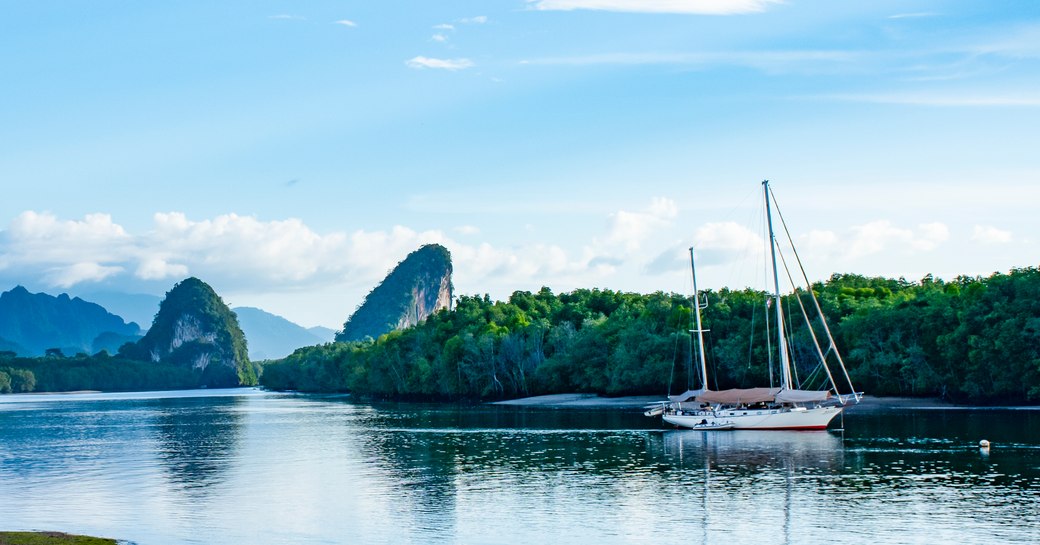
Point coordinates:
[(823, 427)]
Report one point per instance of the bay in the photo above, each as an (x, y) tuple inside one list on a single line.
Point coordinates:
[(246, 466)]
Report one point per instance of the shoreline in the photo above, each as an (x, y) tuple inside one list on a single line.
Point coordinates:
[(867, 404), (38, 537)]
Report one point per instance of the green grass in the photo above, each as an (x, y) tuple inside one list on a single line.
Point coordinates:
[(50, 538)]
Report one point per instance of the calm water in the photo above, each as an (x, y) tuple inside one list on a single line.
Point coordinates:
[(246, 467)]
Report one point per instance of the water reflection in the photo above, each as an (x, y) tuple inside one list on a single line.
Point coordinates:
[(422, 469), (196, 439), (268, 469)]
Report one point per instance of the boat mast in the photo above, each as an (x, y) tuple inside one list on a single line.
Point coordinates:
[(785, 363), (700, 330)]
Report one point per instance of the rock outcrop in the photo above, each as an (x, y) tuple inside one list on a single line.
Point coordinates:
[(194, 328), (419, 286)]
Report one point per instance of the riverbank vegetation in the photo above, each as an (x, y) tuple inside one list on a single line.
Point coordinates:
[(51, 538), (58, 373), (972, 339)]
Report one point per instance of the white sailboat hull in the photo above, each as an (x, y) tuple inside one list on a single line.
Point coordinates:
[(787, 418)]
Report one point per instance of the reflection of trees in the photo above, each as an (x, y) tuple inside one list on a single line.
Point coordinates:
[(435, 454), (197, 438)]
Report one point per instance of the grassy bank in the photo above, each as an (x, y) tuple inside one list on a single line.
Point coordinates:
[(51, 538)]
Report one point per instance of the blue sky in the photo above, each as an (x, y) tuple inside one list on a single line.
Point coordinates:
[(291, 153)]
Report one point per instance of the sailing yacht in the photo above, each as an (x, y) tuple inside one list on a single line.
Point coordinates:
[(766, 408)]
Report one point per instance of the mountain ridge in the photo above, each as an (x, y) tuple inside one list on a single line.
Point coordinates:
[(38, 322)]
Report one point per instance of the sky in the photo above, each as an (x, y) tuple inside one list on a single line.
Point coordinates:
[(291, 153)]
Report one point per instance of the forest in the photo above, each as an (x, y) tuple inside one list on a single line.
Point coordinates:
[(971, 339), (58, 373)]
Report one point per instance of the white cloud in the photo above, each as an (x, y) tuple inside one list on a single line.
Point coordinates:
[(818, 241), (877, 237), (628, 230), (987, 234), (931, 235), (248, 258), (40, 238), (693, 7), (478, 20), (444, 26), (722, 242), (912, 15), (158, 268), (421, 62), (345, 22), (439, 38), (64, 277)]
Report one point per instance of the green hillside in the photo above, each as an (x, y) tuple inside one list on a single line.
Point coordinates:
[(195, 329), (417, 287), (972, 339)]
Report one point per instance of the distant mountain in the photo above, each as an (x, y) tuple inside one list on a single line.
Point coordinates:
[(32, 323), (8, 346), (326, 334), (419, 286), (195, 329), (136, 307), (273, 337)]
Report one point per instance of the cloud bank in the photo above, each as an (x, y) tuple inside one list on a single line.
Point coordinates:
[(421, 62), (286, 260)]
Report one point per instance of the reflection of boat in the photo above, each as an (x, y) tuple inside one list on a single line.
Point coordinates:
[(741, 451), (787, 407)]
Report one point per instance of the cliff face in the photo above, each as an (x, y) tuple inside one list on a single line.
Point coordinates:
[(427, 296), (419, 286), (194, 328)]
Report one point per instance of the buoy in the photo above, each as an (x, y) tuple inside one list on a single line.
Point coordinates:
[(984, 444)]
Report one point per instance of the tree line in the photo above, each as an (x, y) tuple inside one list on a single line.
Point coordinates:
[(57, 373), (971, 339)]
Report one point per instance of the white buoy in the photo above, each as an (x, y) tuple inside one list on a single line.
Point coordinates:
[(984, 444)]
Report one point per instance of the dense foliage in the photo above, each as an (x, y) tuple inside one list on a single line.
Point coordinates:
[(98, 372), (970, 339), (194, 326), (412, 285)]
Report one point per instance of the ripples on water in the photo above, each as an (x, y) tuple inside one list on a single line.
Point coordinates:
[(249, 467)]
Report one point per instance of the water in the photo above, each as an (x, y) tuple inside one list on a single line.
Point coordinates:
[(247, 467)]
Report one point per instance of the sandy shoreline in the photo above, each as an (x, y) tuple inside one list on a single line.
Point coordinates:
[(593, 401)]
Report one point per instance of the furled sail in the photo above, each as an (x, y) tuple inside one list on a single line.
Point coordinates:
[(737, 396), (802, 396), (688, 395)]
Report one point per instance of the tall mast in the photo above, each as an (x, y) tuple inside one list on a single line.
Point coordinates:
[(700, 330), (785, 363)]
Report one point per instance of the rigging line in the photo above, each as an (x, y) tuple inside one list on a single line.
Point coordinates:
[(751, 336), (826, 328), (714, 362), (769, 344), (808, 324), (789, 340), (675, 356), (765, 282)]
